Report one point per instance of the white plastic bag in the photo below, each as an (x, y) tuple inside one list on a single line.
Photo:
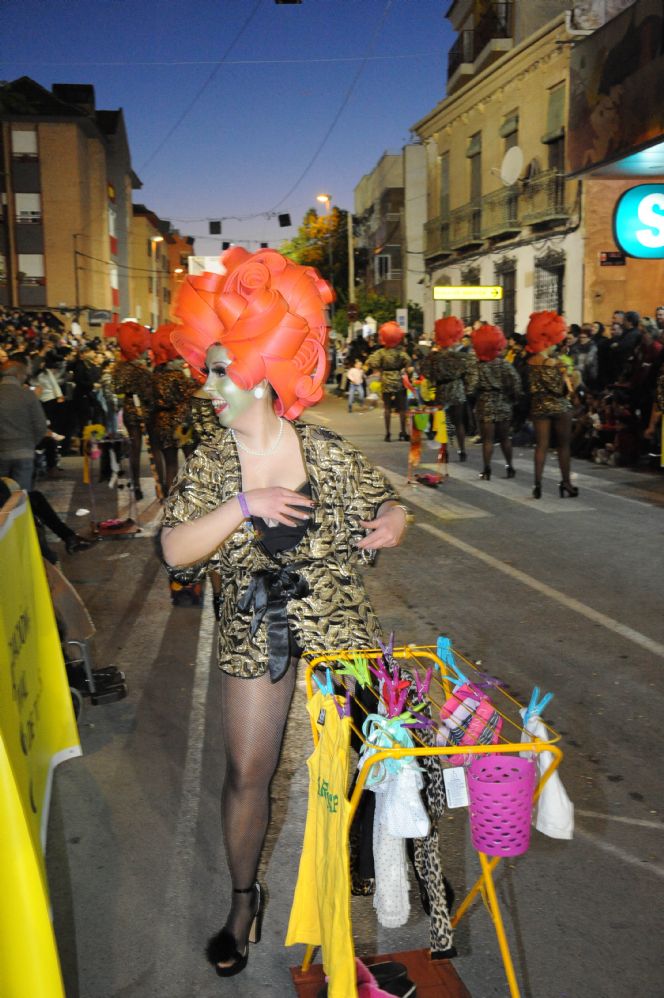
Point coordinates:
[(554, 812)]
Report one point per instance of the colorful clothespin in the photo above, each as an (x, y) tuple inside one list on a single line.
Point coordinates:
[(379, 670), (536, 706), (446, 655), (343, 708), (357, 668), (422, 685), (486, 682), (326, 688), (388, 649)]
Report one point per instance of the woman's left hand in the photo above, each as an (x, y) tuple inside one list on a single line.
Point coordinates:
[(386, 531)]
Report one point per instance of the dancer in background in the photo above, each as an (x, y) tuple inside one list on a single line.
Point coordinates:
[(498, 388), (131, 376), (550, 402), (392, 361), (285, 511), (453, 374), (171, 392)]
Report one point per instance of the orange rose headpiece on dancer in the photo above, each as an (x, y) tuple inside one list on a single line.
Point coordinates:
[(390, 334), (133, 340), (545, 329), (448, 331), (488, 341), (268, 313), (162, 345)]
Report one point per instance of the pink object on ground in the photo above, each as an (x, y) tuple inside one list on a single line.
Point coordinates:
[(501, 788)]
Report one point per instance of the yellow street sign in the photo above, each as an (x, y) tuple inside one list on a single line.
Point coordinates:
[(467, 292)]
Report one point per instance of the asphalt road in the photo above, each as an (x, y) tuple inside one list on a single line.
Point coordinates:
[(563, 594)]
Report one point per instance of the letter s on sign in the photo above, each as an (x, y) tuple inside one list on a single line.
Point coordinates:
[(638, 222), (651, 213)]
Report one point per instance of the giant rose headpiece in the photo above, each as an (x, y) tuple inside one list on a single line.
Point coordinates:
[(133, 339), (448, 331), (390, 334), (268, 313), (488, 341), (545, 329), (162, 345)]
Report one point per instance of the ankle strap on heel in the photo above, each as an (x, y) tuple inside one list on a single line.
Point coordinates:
[(245, 890)]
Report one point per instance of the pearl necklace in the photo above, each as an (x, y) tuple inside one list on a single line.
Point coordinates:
[(260, 453)]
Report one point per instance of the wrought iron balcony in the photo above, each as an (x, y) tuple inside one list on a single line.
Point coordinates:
[(463, 51), (496, 22), (543, 199), (437, 233), (466, 226), (500, 213)]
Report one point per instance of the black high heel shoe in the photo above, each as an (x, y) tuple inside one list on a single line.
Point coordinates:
[(567, 489), (537, 491), (462, 455), (223, 947), (509, 471), (486, 474)]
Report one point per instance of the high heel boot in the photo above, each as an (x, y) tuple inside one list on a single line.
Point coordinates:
[(509, 471), (567, 489), (537, 490), (486, 474), (223, 947)]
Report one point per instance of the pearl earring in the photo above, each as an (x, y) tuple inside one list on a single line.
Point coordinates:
[(259, 392)]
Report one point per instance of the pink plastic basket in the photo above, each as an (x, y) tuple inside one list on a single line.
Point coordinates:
[(500, 789)]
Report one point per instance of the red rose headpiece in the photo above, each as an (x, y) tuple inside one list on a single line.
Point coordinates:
[(545, 329), (268, 313), (488, 341), (390, 334), (133, 339), (448, 331), (161, 344)]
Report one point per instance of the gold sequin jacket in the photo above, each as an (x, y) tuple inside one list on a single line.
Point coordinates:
[(336, 612)]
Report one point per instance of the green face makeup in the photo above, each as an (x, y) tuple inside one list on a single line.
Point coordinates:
[(228, 400)]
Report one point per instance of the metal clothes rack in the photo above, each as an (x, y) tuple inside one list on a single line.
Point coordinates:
[(421, 657)]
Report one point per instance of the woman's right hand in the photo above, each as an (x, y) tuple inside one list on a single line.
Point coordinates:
[(283, 505)]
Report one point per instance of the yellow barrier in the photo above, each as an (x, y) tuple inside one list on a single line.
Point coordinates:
[(37, 731)]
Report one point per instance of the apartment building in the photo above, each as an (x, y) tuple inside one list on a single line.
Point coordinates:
[(390, 211), (66, 184), (500, 211), (150, 270)]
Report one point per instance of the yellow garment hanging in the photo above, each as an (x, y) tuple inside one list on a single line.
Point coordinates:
[(320, 915), (440, 427)]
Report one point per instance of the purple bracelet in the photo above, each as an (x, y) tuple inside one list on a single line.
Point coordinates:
[(241, 498)]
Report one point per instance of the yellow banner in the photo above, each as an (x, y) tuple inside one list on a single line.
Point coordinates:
[(467, 292), (37, 731)]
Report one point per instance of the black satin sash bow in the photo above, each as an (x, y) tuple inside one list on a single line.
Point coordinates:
[(268, 595)]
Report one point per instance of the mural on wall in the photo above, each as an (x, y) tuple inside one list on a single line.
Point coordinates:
[(615, 104)]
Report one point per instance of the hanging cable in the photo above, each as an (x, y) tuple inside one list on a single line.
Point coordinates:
[(201, 90)]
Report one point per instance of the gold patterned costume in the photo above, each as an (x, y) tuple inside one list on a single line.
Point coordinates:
[(172, 390), (453, 373), (548, 389), (131, 378), (317, 584)]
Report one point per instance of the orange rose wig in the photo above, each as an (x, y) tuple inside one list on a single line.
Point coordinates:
[(133, 340), (488, 341), (162, 346), (269, 315), (390, 334), (448, 331), (545, 329)]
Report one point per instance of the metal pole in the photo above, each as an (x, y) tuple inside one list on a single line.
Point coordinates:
[(351, 271), (77, 307)]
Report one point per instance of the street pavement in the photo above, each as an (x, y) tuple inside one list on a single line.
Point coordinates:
[(561, 593)]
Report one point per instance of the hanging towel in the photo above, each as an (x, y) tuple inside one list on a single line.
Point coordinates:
[(554, 811)]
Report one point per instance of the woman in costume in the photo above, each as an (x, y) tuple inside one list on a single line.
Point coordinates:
[(498, 387), (550, 404), (391, 360), (171, 389), (453, 374), (131, 377), (285, 511)]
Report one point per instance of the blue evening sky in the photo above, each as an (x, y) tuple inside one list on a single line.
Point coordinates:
[(257, 86)]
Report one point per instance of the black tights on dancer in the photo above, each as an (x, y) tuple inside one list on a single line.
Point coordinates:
[(253, 714), (542, 427), (500, 430), (456, 416)]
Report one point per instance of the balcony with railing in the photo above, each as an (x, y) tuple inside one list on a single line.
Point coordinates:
[(500, 214), (437, 237), (476, 48), (466, 226), (543, 199)]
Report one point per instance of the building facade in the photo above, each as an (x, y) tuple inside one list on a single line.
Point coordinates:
[(500, 210), (150, 271), (66, 183)]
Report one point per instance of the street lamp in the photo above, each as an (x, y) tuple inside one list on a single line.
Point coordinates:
[(326, 199)]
